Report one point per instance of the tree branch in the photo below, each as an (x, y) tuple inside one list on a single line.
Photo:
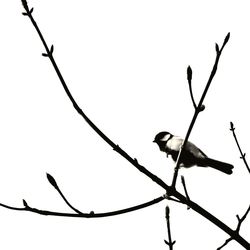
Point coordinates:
[(171, 191), (92, 214), (189, 78), (243, 155), (170, 243), (240, 220), (54, 184), (185, 188), (199, 107)]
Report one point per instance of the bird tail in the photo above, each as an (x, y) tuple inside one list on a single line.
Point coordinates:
[(219, 165)]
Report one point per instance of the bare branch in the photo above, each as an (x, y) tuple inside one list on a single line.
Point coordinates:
[(54, 184), (91, 214), (243, 155), (189, 78), (240, 220), (170, 243), (169, 189), (199, 107), (225, 243), (185, 188)]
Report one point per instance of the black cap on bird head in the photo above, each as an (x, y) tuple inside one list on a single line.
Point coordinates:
[(160, 136)]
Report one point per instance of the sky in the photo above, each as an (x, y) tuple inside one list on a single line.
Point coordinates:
[(125, 63)]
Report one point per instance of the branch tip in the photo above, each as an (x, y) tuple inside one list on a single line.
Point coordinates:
[(217, 48), (25, 4), (167, 212), (52, 181), (25, 204), (51, 49), (189, 74), (232, 128), (227, 38), (26, 7)]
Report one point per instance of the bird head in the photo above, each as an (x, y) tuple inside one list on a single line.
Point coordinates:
[(161, 139)]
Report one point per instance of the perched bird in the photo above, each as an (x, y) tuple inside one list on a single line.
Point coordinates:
[(191, 155)]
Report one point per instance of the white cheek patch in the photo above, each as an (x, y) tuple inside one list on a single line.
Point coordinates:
[(166, 137)]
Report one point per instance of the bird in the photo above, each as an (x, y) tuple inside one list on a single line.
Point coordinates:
[(191, 155)]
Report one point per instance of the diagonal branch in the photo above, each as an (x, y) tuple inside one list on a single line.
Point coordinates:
[(240, 220), (169, 189), (199, 107), (115, 147), (170, 243), (243, 155)]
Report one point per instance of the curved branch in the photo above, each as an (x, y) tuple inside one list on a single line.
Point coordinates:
[(171, 191), (243, 155), (189, 78), (92, 214)]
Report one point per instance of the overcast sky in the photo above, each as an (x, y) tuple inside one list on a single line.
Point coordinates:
[(125, 63)]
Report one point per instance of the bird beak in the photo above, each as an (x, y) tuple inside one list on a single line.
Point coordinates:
[(154, 141)]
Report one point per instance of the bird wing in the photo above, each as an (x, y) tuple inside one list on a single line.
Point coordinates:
[(175, 143), (194, 150)]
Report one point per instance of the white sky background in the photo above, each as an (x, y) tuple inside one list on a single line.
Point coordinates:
[(125, 63)]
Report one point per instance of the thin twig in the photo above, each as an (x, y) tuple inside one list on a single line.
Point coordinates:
[(170, 190), (199, 107), (243, 155), (240, 220), (54, 184), (92, 214), (185, 188), (170, 243), (189, 78)]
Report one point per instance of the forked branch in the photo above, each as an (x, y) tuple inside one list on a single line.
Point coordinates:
[(171, 191), (240, 220), (78, 213), (200, 106)]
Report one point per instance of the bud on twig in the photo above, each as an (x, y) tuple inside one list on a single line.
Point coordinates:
[(232, 128), (227, 38), (217, 48), (52, 181), (189, 74), (167, 212), (25, 203)]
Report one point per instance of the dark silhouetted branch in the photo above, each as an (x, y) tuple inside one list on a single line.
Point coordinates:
[(189, 78), (92, 214), (185, 188), (240, 220), (170, 243), (243, 155), (54, 184), (199, 107), (171, 191)]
